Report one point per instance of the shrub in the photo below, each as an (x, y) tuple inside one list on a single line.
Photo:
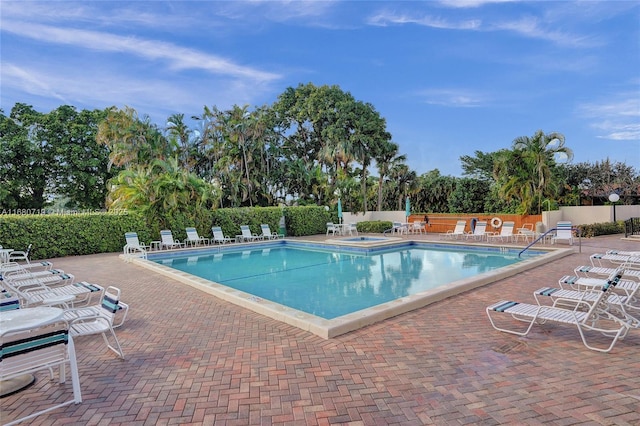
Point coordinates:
[(374, 227), (605, 228)]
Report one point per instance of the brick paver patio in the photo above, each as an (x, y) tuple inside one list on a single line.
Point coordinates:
[(194, 359)]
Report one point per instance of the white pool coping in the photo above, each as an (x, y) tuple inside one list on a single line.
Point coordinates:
[(328, 328)]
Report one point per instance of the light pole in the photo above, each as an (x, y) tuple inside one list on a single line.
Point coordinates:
[(614, 199)]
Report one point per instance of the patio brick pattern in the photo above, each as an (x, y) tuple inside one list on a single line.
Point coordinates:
[(192, 359)]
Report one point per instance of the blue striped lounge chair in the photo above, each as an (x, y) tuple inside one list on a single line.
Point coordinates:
[(564, 231), (589, 318)]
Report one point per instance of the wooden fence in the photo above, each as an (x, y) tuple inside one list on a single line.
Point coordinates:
[(439, 223)]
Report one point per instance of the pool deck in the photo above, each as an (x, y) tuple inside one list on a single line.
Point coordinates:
[(193, 359)]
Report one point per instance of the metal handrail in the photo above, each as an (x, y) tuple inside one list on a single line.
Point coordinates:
[(549, 231)]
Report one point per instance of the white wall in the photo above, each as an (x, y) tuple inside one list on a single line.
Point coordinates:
[(585, 215), (578, 215), (393, 216)]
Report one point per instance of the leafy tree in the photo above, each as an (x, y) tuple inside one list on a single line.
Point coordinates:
[(26, 163), (52, 155), (404, 183), (82, 165), (526, 172), (481, 166), (162, 191), (327, 127), (434, 192), (131, 140), (386, 157), (593, 183), (469, 196)]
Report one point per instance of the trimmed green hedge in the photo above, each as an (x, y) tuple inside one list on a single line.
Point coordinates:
[(373, 227), (66, 235), (605, 228), (54, 235)]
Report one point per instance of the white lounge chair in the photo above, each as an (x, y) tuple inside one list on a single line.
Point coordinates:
[(416, 227), (25, 278), (32, 266), (193, 239), (628, 288), (267, 234), (620, 305), (564, 231), (587, 317), (615, 259), (218, 236), (479, 232), (400, 228), (247, 235), (99, 320), (457, 231), (506, 233), (15, 256), (36, 269), (167, 240), (133, 246), (34, 349), (600, 271), (36, 293), (526, 232)]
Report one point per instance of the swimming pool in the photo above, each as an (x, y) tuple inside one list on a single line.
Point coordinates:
[(332, 289), (330, 284)]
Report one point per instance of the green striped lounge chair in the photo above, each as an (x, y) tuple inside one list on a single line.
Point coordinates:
[(42, 348), (599, 271), (620, 305), (8, 301), (98, 319), (133, 246), (629, 288), (589, 318)]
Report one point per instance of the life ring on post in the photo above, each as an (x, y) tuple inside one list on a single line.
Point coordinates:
[(496, 222)]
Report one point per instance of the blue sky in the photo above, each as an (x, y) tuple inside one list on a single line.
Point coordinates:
[(450, 77)]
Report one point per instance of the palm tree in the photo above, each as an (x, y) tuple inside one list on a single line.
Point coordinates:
[(386, 158), (132, 140), (526, 173)]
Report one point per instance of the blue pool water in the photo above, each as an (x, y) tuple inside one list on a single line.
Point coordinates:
[(332, 283)]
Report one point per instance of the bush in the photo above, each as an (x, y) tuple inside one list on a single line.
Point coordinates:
[(66, 235), (605, 228), (374, 227)]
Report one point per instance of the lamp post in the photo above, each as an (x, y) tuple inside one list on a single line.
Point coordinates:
[(614, 199)]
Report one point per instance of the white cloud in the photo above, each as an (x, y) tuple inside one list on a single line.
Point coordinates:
[(28, 81), (616, 119), (452, 98), (463, 4), (530, 27), (387, 18), (100, 87), (178, 57)]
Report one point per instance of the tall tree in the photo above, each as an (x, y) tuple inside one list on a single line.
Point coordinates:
[(23, 177), (526, 172), (386, 158), (327, 127), (132, 140), (51, 156)]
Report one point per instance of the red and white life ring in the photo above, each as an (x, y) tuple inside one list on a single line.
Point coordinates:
[(496, 222)]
